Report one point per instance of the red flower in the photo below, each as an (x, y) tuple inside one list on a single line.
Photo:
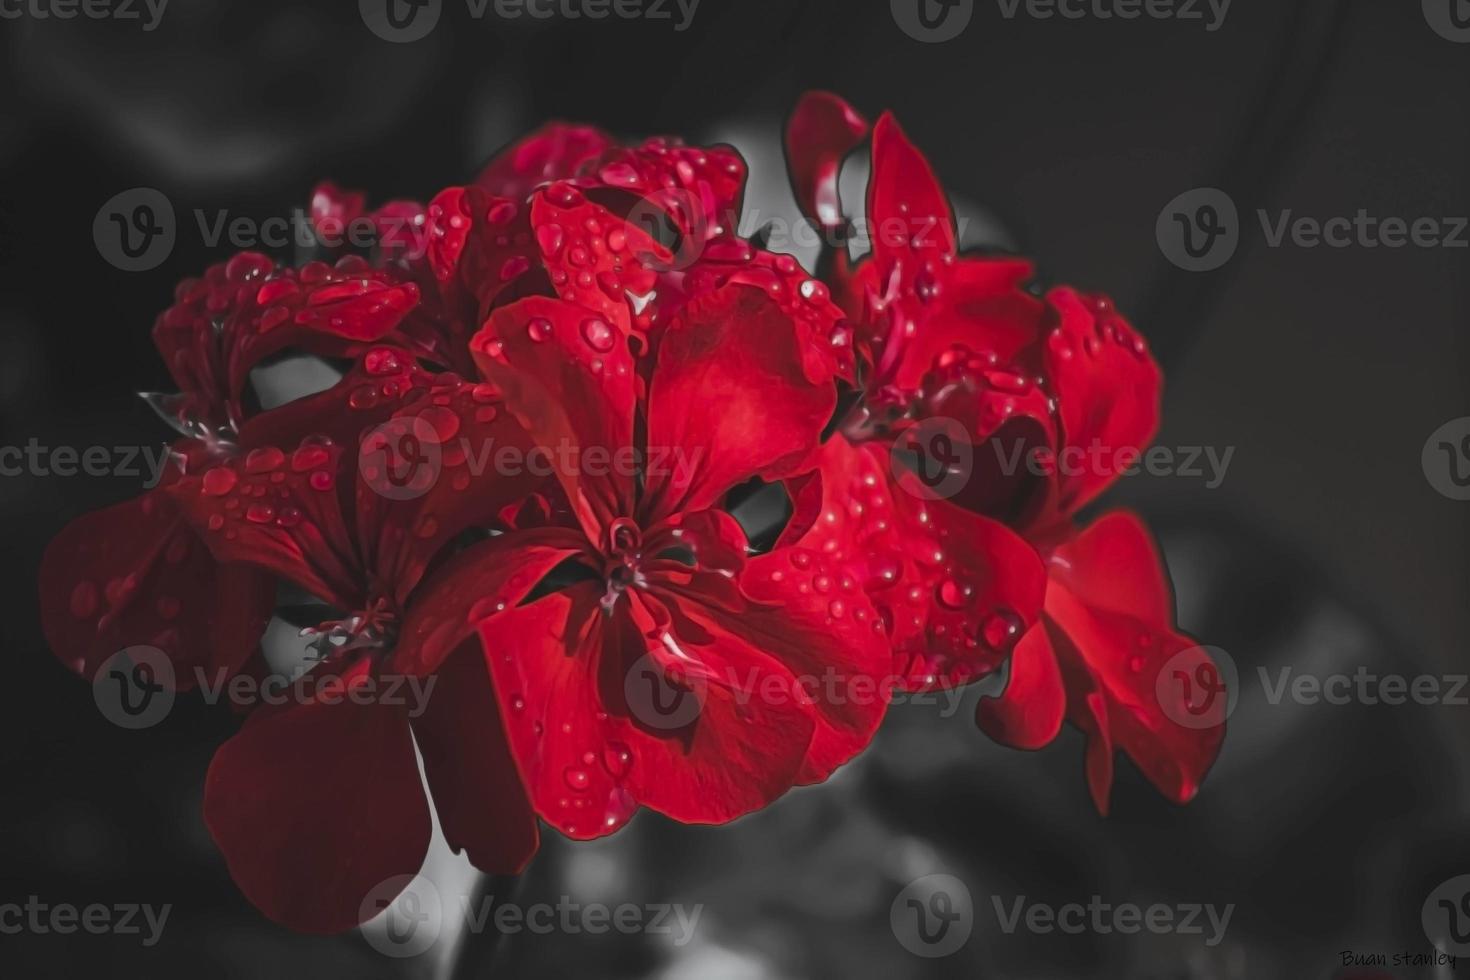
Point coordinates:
[(661, 588), (945, 336), (358, 529)]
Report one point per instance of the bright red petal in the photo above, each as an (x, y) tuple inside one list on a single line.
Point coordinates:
[(574, 389), (729, 401), (1029, 713), (1107, 387), (317, 805), (1106, 595)]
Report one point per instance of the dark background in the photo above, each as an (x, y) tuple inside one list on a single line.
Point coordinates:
[(1324, 549)]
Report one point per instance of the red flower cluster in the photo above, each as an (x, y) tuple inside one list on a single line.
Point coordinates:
[(592, 302)]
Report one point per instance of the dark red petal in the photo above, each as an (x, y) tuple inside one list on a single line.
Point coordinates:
[(242, 311), (1107, 385), (135, 574), (477, 584), (317, 805), (440, 465), (575, 392), (730, 400), (280, 511), (822, 130), (333, 209), (482, 805), (1007, 419), (555, 151), (1112, 648), (815, 619), (1029, 713), (478, 246)]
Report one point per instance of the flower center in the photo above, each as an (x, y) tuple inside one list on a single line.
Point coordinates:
[(621, 570)]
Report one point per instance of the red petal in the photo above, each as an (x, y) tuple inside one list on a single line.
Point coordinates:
[(245, 310), (1106, 383), (1114, 648), (904, 193), (317, 805), (699, 187), (479, 245), (729, 401), (482, 805), (815, 618), (955, 590), (135, 574), (279, 511), (594, 258), (574, 391), (1029, 713), (333, 209), (478, 583), (564, 670), (555, 151), (822, 130)]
